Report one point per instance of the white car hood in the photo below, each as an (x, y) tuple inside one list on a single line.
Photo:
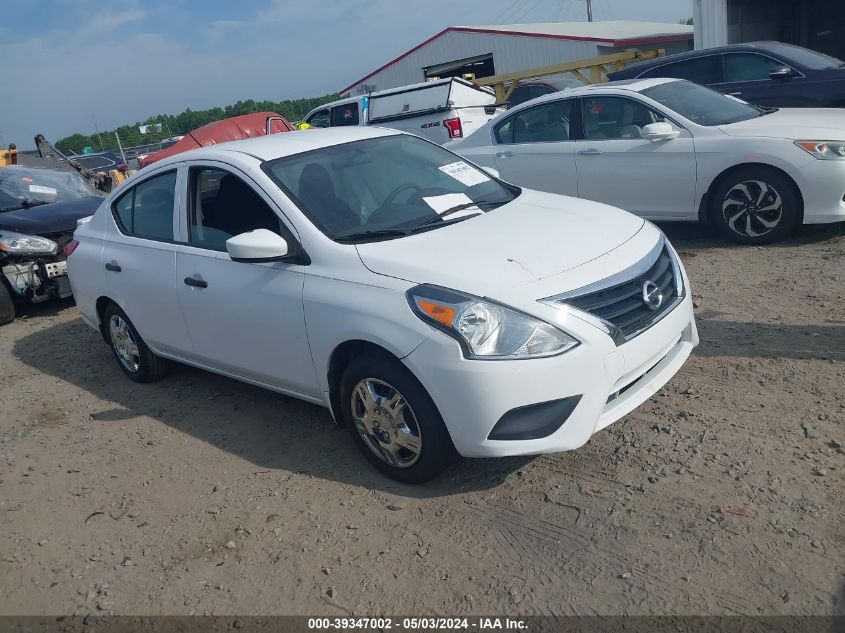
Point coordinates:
[(532, 238), (822, 124)]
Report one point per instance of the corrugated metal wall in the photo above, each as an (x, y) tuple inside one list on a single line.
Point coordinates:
[(510, 53), (710, 21)]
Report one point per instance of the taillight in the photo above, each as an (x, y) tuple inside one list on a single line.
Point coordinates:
[(453, 126), (70, 247)]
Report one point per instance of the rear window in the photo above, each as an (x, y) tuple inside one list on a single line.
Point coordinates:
[(346, 114)]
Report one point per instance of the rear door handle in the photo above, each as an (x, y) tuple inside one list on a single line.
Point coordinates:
[(589, 152), (504, 154), (196, 283), (112, 266)]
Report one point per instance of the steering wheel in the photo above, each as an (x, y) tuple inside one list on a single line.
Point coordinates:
[(388, 201)]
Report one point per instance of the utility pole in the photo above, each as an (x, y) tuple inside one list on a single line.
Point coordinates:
[(589, 10), (99, 138)]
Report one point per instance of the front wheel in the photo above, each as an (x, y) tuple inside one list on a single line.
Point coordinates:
[(7, 305), (755, 205), (393, 420)]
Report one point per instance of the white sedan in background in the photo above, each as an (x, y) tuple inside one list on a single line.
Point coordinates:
[(668, 149), (428, 305)]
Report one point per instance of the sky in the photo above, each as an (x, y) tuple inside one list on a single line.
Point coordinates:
[(67, 63)]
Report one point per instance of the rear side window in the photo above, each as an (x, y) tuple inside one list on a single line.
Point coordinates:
[(545, 123), (701, 70), (346, 114), (748, 66), (146, 210)]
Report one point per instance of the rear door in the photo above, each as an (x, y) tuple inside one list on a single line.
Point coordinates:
[(654, 179), (534, 147), (243, 318), (139, 259), (747, 78)]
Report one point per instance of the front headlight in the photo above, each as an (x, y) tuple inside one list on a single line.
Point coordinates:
[(824, 150), (20, 244), (487, 330)]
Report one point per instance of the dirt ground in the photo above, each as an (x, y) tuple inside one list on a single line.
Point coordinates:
[(199, 495)]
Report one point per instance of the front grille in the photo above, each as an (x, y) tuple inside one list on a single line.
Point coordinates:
[(624, 306)]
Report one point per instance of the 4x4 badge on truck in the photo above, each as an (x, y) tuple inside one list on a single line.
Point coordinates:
[(652, 295)]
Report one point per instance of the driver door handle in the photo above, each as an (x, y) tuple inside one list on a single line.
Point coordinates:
[(112, 266), (504, 154), (196, 283), (592, 151)]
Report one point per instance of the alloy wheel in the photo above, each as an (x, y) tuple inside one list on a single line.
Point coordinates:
[(386, 423), (752, 208), (124, 344)]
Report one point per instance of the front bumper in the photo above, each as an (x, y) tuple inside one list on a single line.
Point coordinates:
[(822, 185), (38, 280), (611, 381)]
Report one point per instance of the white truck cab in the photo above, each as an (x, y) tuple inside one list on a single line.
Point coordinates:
[(441, 111)]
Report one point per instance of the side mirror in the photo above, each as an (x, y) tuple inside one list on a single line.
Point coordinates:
[(491, 171), (257, 246), (660, 131), (782, 72)]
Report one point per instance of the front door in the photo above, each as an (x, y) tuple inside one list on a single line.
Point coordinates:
[(654, 179), (243, 318), (534, 148)]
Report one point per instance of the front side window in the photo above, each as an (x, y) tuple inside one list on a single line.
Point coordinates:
[(616, 118), (385, 187), (146, 210), (748, 66), (222, 205), (545, 123), (701, 105), (319, 119), (346, 114), (703, 70)]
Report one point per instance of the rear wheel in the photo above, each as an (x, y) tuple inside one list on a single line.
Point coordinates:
[(393, 420), (133, 356), (7, 306), (755, 205)]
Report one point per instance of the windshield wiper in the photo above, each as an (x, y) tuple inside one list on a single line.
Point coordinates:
[(461, 207), (372, 234), (26, 204)]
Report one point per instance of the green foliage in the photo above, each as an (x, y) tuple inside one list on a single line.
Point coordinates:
[(173, 125), (688, 22)]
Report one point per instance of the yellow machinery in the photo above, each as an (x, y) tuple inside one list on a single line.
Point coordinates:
[(597, 67), (9, 156)]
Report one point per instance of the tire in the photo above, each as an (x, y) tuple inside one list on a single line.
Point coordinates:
[(755, 205), (141, 366), (426, 448), (7, 305)]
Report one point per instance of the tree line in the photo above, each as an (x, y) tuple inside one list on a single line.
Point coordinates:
[(173, 125)]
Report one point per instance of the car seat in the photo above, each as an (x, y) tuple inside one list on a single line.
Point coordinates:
[(317, 194), (627, 128)]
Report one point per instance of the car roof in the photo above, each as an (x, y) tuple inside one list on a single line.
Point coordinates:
[(281, 145), (703, 52), (629, 85)]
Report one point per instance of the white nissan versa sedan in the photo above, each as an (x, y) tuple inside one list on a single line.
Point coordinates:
[(668, 149), (430, 306)]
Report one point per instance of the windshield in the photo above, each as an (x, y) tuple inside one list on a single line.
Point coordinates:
[(803, 56), (22, 187), (701, 105), (385, 187)]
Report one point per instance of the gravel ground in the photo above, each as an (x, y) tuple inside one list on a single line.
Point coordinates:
[(723, 494)]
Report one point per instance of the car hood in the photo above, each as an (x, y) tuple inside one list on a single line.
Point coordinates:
[(536, 236), (57, 217), (822, 124)]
